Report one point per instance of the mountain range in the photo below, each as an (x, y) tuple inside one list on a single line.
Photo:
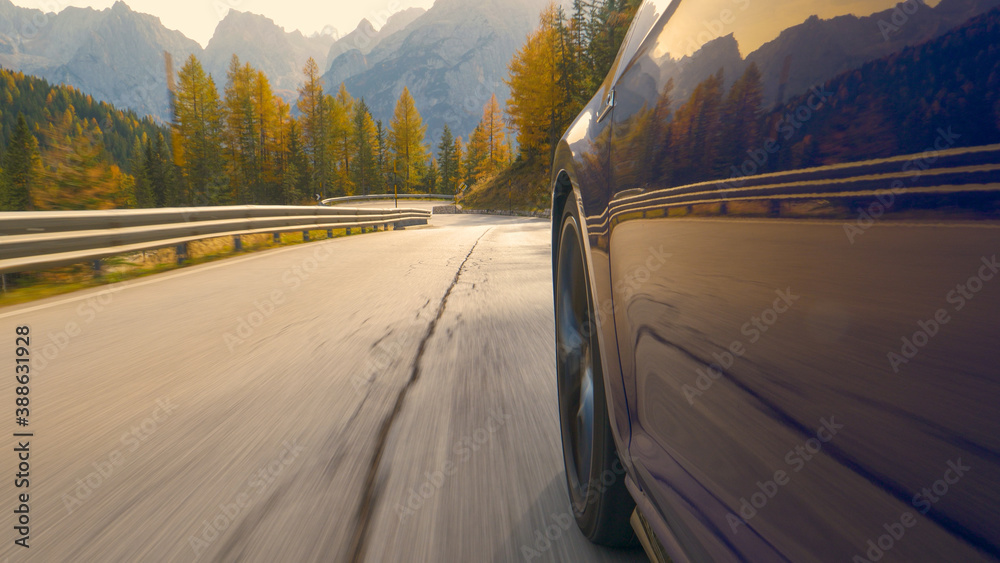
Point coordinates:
[(452, 57)]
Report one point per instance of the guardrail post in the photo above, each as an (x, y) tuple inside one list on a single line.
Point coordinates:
[(237, 243), (277, 238), (96, 267), (329, 233), (348, 231), (305, 236), (182, 253), (3, 282)]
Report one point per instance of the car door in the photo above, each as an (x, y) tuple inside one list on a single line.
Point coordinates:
[(803, 198)]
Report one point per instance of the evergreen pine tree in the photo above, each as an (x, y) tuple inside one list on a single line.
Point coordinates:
[(21, 169)]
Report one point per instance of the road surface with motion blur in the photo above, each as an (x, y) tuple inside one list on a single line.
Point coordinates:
[(384, 397)]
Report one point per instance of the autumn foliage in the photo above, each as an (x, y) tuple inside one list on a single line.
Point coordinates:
[(233, 140), (551, 77)]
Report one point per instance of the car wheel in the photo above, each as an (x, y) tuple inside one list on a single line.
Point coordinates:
[(594, 474)]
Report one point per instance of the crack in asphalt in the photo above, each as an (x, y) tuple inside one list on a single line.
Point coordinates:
[(236, 545), (369, 496)]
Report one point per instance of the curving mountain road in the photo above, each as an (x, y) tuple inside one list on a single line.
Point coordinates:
[(385, 397)]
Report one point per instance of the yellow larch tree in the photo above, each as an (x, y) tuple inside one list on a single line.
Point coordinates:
[(535, 106), (406, 140)]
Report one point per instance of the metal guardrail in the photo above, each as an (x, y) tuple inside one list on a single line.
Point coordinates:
[(45, 239), (456, 210), (378, 197), (507, 213)]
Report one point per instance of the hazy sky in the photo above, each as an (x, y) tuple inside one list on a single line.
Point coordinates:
[(197, 18)]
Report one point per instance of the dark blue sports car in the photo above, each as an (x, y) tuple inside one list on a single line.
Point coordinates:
[(776, 231)]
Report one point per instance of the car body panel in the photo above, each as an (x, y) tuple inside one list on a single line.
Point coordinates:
[(768, 275)]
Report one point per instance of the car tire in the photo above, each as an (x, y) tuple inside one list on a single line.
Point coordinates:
[(594, 474)]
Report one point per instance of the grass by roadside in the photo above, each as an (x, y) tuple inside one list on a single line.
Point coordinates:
[(524, 186), (32, 286)]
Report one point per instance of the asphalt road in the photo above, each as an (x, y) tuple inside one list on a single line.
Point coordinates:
[(383, 397)]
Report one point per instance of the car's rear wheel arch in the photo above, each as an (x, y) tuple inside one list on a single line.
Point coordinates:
[(561, 189)]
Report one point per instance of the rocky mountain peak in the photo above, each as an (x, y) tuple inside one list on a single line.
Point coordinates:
[(453, 57)]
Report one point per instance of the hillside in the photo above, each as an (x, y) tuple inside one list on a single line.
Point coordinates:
[(41, 103), (85, 148)]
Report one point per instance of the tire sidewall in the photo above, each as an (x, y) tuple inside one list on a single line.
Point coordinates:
[(604, 488)]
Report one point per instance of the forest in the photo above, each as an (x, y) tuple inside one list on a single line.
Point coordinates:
[(237, 142), (552, 77), (242, 145), (61, 149)]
